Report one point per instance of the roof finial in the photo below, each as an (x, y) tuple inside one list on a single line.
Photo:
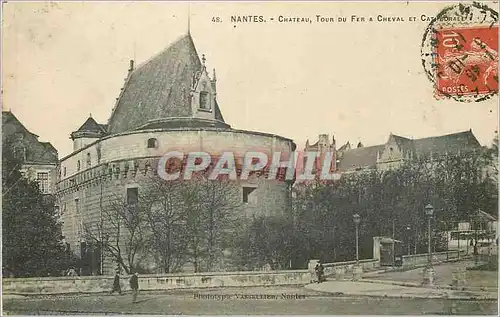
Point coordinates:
[(214, 77), (90, 115), (203, 59)]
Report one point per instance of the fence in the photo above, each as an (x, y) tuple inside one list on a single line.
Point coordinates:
[(414, 260)]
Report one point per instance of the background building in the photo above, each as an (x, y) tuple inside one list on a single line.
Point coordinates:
[(399, 149), (38, 159)]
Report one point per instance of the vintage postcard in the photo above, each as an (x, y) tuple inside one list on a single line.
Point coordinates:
[(250, 158)]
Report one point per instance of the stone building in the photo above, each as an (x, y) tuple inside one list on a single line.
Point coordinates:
[(325, 154), (38, 159), (391, 154), (168, 103), (399, 149)]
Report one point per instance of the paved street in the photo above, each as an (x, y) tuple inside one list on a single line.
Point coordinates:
[(331, 297), (444, 274), (300, 301)]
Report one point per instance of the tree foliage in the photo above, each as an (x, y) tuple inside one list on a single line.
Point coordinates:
[(32, 242), (391, 203)]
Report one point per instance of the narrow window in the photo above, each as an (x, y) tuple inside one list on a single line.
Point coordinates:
[(77, 206), (43, 182), (78, 165), (204, 100), (64, 171), (132, 196), (89, 160), (246, 192), (132, 201), (152, 143)]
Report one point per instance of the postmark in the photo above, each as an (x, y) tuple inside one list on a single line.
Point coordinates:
[(460, 52)]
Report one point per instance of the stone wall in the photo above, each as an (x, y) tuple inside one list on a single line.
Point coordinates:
[(343, 268), (98, 284)]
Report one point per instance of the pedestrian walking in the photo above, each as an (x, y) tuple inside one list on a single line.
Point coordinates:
[(319, 272), (134, 285), (116, 284)]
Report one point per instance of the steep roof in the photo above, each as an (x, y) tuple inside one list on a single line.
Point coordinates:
[(159, 88), (359, 157), (9, 117), (16, 135), (403, 143), (439, 145), (345, 147), (91, 126), (450, 143)]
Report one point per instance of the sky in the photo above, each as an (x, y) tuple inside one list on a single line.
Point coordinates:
[(358, 81)]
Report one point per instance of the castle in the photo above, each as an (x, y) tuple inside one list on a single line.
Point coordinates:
[(168, 103)]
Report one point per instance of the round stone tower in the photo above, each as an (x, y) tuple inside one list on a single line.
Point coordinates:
[(168, 103)]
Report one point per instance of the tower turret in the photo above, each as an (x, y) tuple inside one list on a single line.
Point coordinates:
[(88, 133)]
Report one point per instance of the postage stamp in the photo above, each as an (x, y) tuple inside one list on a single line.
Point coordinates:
[(460, 52), (467, 61), (249, 158)]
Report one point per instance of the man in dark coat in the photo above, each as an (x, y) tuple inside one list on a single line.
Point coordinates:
[(319, 271), (116, 284), (134, 285)]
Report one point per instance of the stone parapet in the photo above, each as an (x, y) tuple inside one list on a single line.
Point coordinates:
[(150, 282)]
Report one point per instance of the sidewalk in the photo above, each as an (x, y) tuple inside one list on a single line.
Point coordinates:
[(370, 289)]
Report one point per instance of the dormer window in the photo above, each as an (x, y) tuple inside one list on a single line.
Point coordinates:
[(152, 143), (204, 100), (20, 153)]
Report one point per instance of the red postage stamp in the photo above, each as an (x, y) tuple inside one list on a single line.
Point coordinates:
[(467, 61)]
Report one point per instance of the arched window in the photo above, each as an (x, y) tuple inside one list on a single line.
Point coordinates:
[(152, 143)]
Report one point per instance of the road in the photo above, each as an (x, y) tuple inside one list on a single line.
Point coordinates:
[(298, 301), (443, 275)]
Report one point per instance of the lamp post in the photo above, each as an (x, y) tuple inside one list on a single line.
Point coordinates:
[(429, 271), (357, 220), (408, 228), (357, 270)]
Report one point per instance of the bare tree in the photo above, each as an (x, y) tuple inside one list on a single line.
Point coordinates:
[(220, 203), (165, 218), (120, 231)]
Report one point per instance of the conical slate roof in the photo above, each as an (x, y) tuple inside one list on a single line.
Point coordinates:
[(90, 126), (159, 88)]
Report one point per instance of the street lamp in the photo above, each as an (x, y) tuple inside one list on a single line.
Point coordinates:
[(429, 271), (357, 220), (408, 228), (357, 269)]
